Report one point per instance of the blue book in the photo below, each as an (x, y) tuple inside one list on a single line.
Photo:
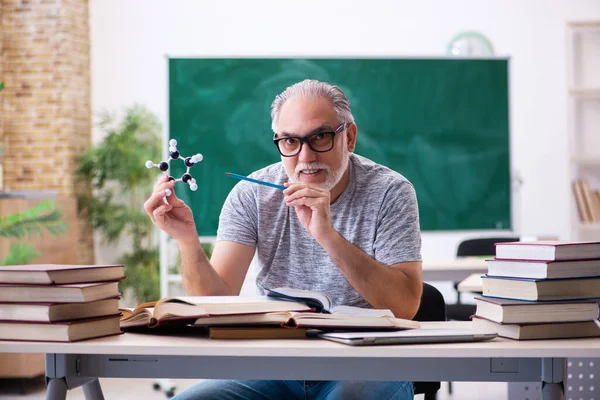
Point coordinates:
[(541, 289)]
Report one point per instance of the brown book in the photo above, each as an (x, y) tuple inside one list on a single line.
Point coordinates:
[(75, 293), (53, 274), (52, 312), (521, 312), (585, 213), (69, 331), (596, 199), (255, 332), (558, 330), (589, 199)]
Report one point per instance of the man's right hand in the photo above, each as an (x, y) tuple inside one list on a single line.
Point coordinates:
[(170, 213)]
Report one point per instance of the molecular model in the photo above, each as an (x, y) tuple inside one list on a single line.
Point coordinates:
[(174, 155)]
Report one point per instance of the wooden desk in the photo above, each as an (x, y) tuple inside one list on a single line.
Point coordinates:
[(70, 365), (454, 270)]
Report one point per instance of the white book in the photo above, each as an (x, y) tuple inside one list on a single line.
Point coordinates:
[(521, 312), (544, 269), (548, 250)]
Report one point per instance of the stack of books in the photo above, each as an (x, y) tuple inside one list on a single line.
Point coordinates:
[(283, 313), (59, 303), (541, 290)]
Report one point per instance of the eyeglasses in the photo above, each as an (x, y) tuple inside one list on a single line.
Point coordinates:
[(321, 142)]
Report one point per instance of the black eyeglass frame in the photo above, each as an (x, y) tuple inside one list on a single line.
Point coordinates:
[(306, 139)]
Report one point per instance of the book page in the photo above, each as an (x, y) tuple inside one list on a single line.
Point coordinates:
[(200, 300), (359, 311), (137, 316)]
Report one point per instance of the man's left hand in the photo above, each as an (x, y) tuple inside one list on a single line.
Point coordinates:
[(312, 207)]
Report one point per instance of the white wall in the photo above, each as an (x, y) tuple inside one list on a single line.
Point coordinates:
[(130, 39)]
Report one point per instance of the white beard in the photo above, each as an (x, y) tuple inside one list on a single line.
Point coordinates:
[(333, 176)]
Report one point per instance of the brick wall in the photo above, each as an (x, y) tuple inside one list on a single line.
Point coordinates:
[(2, 112), (46, 113)]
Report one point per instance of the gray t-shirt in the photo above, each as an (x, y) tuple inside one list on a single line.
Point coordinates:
[(377, 212)]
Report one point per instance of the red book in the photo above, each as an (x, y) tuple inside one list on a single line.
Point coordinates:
[(75, 293), (69, 331), (544, 269), (54, 274), (53, 312), (548, 250)]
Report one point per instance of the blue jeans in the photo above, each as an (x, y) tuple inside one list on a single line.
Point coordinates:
[(217, 389)]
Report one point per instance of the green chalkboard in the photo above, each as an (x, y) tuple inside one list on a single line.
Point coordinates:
[(442, 123)]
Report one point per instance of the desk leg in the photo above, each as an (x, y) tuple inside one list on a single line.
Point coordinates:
[(63, 373), (553, 376), (93, 391), (57, 389)]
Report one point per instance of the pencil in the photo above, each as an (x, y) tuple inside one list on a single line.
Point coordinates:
[(245, 178)]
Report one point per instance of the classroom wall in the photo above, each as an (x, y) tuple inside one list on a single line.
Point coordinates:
[(130, 40)]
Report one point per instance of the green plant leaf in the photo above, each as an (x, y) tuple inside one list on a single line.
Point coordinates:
[(33, 221), (121, 156), (143, 274), (19, 254)]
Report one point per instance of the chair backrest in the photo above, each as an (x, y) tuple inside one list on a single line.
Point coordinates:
[(433, 305), (481, 246), (432, 308)]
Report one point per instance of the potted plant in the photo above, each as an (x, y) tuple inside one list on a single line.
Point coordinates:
[(115, 169)]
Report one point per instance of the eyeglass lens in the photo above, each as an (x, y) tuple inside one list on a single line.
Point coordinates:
[(321, 141)]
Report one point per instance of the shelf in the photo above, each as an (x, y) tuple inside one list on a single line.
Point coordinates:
[(583, 117), (585, 26), (28, 195), (585, 93), (591, 161), (595, 227)]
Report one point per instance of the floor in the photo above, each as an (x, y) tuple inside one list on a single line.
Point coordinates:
[(143, 389)]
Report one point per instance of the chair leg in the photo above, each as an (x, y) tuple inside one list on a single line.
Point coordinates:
[(457, 293)]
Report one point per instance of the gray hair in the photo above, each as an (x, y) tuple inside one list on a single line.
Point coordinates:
[(313, 89)]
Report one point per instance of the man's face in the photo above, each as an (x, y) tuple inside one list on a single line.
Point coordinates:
[(301, 117)]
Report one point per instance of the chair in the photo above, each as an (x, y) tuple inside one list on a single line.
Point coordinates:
[(481, 246), (467, 248), (432, 308)]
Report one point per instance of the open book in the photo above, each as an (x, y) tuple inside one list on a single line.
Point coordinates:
[(291, 319), (322, 303), (184, 310)]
